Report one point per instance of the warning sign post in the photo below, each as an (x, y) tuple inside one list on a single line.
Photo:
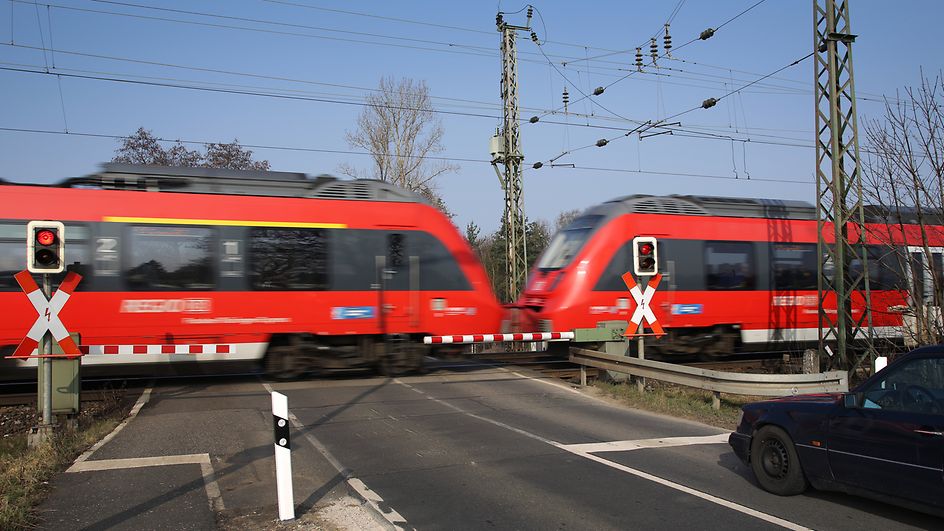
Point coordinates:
[(643, 313), (37, 340)]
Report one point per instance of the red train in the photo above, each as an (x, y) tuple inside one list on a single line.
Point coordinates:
[(195, 264), (737, 272)]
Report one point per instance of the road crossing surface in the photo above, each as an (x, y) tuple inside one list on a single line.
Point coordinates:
[(475, 448)]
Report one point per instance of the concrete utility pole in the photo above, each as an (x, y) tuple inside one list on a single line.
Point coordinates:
[(839, 187), (510, 156)]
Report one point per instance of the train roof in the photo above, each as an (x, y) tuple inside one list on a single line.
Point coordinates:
[(698, 205), (139, 177)]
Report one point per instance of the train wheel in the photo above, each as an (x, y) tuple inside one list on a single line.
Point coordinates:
[(401, 358), (282, 363)]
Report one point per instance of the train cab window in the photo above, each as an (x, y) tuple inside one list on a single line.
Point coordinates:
[(567, 243), (13, 255), (793, 266), (169, 258), (288, 259), (730, 266)]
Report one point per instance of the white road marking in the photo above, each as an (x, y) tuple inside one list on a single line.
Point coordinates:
[(82, 464), (143, 399), (369, 496), (663, 442), (638, 473), (206, 469)]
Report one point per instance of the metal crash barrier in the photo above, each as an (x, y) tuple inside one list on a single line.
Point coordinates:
[(716, 381)]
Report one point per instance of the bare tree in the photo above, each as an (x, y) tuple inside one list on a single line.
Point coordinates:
[(904, 178), (232, 156), (564, 219), (143, 147), (400, 130)]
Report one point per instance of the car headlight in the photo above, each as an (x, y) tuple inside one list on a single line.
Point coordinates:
[(740, 418)]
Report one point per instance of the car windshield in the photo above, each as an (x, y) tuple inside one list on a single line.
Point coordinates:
[(916, 386), (567, 243)]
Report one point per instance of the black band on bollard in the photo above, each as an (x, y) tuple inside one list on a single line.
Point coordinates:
[(281, 428)]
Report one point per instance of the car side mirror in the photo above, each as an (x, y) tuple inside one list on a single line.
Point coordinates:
[(851, 400)]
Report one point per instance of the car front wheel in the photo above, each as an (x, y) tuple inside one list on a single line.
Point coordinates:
[(775, 462)]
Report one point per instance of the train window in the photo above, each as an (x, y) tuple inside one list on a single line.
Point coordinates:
[(884, 269), (169, 258), (567, 243), (288, 259), (354, 265), (729, 266), (793, 266), (439, 270), (13, 255)]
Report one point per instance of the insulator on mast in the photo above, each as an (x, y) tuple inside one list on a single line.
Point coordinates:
[(639, 59), (566, 97), (653, 50), (667, 41)]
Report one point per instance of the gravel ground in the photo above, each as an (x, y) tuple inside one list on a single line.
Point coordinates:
[(16, 419)]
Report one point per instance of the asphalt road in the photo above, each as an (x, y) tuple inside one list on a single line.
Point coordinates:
[(499, 449), (465, 447)]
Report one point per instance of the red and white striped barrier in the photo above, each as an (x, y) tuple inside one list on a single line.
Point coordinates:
[(499, 338), (155, 349)]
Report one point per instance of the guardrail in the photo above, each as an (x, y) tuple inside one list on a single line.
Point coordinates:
[(716, 381)]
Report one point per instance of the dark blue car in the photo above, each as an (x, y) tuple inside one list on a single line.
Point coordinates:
[(884, 440)]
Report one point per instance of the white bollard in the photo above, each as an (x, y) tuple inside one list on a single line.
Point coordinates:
[(283, 457)]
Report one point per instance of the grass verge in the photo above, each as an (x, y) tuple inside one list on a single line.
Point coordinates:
[(677, 401), (25, 472)]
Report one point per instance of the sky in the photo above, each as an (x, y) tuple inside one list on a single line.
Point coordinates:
[(314, 61)]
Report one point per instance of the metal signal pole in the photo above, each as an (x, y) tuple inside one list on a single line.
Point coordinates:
[(839, 189), (510, 156)]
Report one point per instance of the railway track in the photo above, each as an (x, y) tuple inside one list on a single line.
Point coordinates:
[(539, 361)]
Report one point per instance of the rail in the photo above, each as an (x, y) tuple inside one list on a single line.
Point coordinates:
[(717, 381)]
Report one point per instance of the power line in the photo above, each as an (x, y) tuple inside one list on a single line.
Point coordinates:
[(176, 83), (468, 49), (683, 174), (110, 76), (410, 21), (662, 124), (253, 146), (365, 153), (241, 92), (231, 72), (449, 47), (706, 34)]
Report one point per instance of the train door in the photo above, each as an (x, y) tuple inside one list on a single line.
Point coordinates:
[(926, 285), (398, 278)]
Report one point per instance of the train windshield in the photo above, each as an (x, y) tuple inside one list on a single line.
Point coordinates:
[(568, 242)]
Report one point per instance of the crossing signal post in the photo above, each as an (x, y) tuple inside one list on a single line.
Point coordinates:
[(45, 247), (645, 256), (645, 265), (45, 253)]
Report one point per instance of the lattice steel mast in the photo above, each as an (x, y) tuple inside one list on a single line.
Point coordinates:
[(510, 156), (839, 187)]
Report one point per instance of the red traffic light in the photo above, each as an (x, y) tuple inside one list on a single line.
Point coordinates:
[(45, 237), (645, 249)]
